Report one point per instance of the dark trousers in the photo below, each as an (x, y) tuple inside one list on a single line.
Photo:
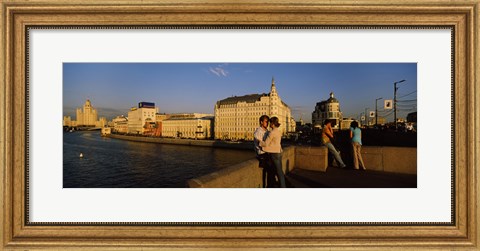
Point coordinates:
[(268, 172)]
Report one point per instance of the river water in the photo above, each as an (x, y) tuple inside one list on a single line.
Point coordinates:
[(115, 163)]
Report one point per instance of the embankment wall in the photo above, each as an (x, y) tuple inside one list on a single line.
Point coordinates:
[(187, 142)]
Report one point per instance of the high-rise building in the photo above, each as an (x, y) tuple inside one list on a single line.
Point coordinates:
[(236, 118), (327, 109), (88, 116)]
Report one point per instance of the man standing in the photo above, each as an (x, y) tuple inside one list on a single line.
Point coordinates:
[(261, 134)]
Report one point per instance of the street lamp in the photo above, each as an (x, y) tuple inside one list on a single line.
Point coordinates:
[(366, 116), (376, 111), (360, 116), (395, 88)]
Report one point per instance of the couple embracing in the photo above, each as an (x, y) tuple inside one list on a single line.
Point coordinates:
[(268, 147)]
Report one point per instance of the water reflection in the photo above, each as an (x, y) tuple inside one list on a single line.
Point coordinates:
[(114, 163)]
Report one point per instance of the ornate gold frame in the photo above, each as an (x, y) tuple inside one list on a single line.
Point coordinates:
[(18, 14)]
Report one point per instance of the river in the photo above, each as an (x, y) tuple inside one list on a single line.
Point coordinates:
[(115, 163)]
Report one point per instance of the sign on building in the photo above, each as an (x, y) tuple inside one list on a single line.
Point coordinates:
[(388, 104), (372, 114)]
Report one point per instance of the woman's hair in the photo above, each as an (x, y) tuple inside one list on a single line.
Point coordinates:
[(354, 124), (274, 121), (331, 121)]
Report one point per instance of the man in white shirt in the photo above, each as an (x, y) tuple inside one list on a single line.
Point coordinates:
[(260, 134), (264, 160)]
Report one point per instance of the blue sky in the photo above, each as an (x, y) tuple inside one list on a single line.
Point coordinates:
[(195, 87)]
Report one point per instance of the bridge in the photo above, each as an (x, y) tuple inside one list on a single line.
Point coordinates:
[(308, 167)]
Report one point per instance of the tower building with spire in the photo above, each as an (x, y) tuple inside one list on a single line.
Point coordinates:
[(236, 118), (87, 116)]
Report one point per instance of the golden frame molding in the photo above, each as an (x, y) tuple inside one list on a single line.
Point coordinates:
[(17, 16)]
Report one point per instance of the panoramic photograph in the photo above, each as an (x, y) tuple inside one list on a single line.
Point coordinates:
[(239, 125)]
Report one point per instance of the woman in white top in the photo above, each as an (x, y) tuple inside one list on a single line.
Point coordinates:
[(272, 145)]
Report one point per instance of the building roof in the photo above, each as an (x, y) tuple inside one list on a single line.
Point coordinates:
[(251, 98), (332, 100), (329, 100), (202, 118)]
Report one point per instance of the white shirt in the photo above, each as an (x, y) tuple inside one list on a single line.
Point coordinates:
[(259, 135)]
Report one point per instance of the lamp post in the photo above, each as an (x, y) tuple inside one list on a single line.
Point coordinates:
[(376, 111), (366, 117), (395, 88)]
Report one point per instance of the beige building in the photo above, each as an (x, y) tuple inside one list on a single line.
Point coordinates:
[(120, 125), (190, 126), (102, 122), (236, 118), (106, 131), (67, 121), (327, 109), (86, 116), (138, 116), (345, 123), (161, 117), (381, 121)]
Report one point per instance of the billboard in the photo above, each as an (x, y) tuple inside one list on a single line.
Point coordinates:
[(146, 105)]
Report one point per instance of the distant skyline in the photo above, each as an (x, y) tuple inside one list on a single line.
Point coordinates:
[(113, 88)]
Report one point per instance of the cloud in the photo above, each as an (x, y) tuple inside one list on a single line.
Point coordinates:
[(219, 71)]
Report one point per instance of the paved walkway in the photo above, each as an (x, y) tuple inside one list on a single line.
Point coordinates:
[(349, 178)]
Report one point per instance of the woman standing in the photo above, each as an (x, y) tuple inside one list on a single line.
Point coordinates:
[(356, 136), (272, 146)]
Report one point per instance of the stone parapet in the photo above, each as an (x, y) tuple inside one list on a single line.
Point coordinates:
[(243, 175), (390, 159), (313, 158), (248, 175), (288, 159)]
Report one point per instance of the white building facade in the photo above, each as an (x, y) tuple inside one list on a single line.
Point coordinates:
[(190, 126), (236, 118), (120, 125), (138, 116)]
